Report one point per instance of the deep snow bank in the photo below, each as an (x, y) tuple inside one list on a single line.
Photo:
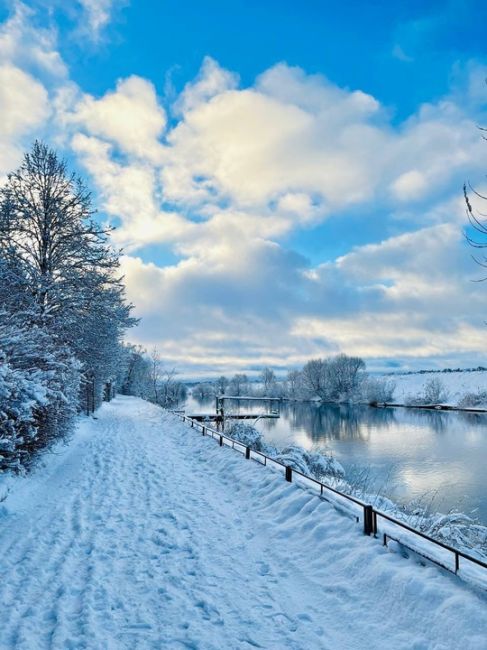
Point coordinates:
[(143, 534)]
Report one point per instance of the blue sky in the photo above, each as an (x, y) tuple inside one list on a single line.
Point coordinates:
[(401, 53), (286, 177)]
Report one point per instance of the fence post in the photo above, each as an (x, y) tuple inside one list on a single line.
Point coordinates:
[(203, 431), (247, 453), (368, 520), (221, 441), (289, 474)]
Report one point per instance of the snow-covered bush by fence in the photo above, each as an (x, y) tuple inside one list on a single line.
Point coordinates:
[(247, 435), (317, 464), (455, 529), (311, 463)]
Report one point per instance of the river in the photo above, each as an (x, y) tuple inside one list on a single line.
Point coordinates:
[(438, 458)]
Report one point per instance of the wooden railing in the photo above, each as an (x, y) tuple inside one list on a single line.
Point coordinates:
[(375, 522)]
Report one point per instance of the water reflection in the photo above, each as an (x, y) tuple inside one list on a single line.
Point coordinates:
[(335, 421), (419, 451)]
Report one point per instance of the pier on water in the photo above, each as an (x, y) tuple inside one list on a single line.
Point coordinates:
[(220, 415)]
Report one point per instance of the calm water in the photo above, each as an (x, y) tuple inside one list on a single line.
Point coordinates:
[(407, 453)]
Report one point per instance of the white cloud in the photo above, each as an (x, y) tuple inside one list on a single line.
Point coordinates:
[(211, 81), (244, 168), (253, 145), (97, 14), (28, 46), (291, 150), (23, 101), (30, 69), (410, 186), (130, 117), (128, 193)]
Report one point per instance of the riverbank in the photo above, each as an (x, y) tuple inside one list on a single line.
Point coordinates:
[(427, 407), (143, 534)]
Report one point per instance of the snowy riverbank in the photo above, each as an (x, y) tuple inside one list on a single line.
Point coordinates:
[(455, 386), (143, 534)]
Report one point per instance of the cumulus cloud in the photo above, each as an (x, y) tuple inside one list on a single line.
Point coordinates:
[(128, 193), (27, 58), (243, 169), (23, 101), (130, 117), (212, 80), (30, 46)]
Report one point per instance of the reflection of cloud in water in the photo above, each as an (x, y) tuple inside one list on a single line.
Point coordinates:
[(452, 478)]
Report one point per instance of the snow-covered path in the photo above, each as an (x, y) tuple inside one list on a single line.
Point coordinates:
[(143, 534)]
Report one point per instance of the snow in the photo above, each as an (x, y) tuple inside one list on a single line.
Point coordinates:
[(144, 534), (456, 384)]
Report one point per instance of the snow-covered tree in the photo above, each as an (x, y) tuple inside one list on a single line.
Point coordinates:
[(134, 371), (268, 379), (238, 385), (294, 384), (63, 310), (335, 379), (315, 378), (203, 390), (345, 376), (221, 385)]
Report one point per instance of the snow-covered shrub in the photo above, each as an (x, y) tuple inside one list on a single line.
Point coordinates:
[(378, 390), (472, 400), (458, 530), (247, 435), (322, 465), (434, 391), (18, 398), (455, 529), (39, 383), (315, 464)]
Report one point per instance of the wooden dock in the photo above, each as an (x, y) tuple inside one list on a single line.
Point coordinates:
[(217, 417)]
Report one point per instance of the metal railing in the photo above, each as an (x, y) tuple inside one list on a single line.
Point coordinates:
[(470, 568)]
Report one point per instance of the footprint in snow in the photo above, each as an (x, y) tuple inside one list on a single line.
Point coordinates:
[(263, 569), (284, 621)]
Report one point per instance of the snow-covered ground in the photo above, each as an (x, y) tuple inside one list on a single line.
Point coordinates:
[(143, 534), (456, 384)]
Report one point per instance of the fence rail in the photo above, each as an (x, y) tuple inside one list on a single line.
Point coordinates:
[(374, 521)]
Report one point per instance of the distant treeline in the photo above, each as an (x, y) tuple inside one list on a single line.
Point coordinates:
[(426, 372), (337, 379)]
